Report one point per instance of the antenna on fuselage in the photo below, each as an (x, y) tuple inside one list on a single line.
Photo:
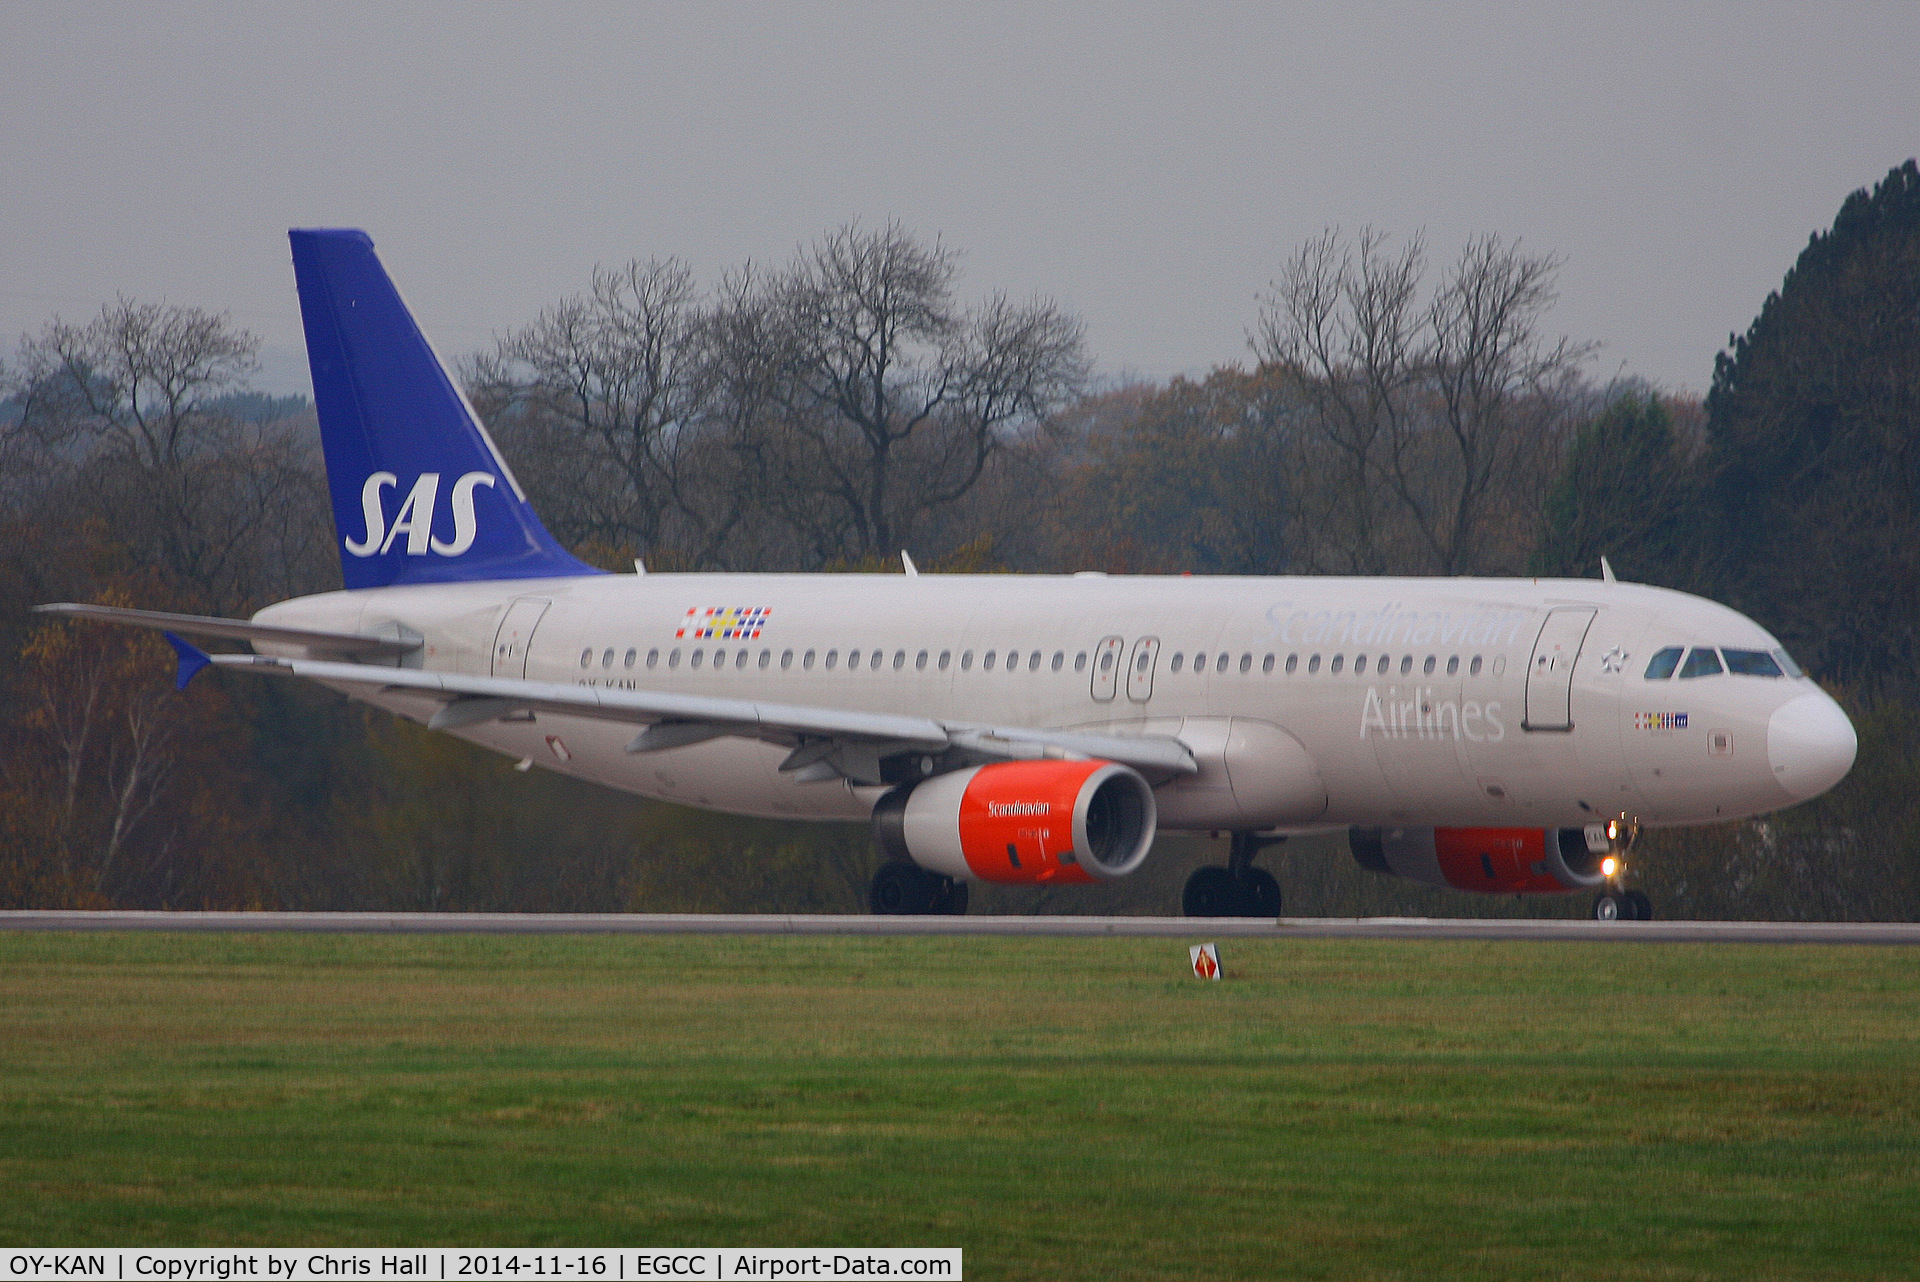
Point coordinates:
[(639, 566), (1606, 571), (913, 571)]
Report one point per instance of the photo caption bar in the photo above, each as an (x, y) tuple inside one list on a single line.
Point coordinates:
[(454, 1264)]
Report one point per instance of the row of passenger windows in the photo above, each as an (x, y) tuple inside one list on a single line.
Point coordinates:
[(875, 660), (1705, 661)]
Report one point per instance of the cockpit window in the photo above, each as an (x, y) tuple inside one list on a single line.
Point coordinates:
[(1786, 661), (1751, 663), (1703, 662), (1665, 662)]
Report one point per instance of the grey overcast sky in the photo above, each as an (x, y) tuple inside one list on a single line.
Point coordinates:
[(1149, 166)]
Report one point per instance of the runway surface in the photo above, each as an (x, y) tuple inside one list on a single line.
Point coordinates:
[(1665, 932)]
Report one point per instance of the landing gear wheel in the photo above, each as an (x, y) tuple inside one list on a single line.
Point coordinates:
[(1641, 905), (1609, 908), (901, 890), (1210, 892), (950, 899), (1259, 894)]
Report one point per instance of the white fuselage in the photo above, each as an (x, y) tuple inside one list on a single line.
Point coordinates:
[(1483, 702)]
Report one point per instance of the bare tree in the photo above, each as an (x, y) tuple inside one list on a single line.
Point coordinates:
[(897, 397), (1430, 415), (614, 375)]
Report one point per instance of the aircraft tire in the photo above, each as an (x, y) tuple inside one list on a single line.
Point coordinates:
[(951, 898), (1210, 892), (1259, 894), (901, 890), (1610, 908), (1642, 906)]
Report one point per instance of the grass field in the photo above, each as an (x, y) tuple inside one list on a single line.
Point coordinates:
[(1059, 1108)]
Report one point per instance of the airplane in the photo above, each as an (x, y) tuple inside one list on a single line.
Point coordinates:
[(1506, 736)]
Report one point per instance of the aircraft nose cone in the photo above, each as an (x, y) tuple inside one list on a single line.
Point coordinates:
[(1810, 745)]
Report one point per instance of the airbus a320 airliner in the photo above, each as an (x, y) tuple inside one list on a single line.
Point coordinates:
[(1496, 735)]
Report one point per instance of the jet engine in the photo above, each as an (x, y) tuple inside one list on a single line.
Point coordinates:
[(1537, 861), (1022, 822)]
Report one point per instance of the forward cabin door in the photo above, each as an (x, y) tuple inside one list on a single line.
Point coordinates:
[(1550, 676), (515, 637)]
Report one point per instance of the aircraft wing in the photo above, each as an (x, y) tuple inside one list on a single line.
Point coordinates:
[(336, 644), (827, 743)]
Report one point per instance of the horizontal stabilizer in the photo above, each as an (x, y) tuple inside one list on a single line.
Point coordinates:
[(331, 644)]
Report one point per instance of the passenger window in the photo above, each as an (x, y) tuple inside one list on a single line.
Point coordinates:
[(1246, 664), (1338, 660), (740, 660), (1033, 662), (1059, 660), (1293, 661), (1266, 666), (1453, 664), (1751, 663), (833, 657), (1406, 664), (1382, 665), (986, 660), (1662, 665), (1174, 664), (1199, 664), (1703, 662), (875, 659), (1313, 665), (1473, 669), (586, 657), (766, 657), (900, 659), (606, 660), (853, 659), (807, 661), (1426, 669), (966, 661), (693, 660), (786, 660), (1080, 661), (653, 659), (1106, 661), (633, 657), (1220, 662), (945, 657), (673, 657), (1360, 663), (920, 662)]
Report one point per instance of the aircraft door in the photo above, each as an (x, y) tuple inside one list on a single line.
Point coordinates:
[(1146, 653), (1106, 669), (511, 642), (1550, 676)]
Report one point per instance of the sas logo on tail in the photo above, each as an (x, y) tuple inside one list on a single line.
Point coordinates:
[(415, 517)]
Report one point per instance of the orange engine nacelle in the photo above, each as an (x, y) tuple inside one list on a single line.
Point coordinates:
[(1022, 822), (1533, 861)]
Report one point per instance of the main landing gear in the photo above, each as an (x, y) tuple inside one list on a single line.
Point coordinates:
[(1239, 889), (1616, 903), (907, 890)]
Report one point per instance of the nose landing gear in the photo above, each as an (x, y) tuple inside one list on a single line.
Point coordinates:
[(1239, 889), (1616, 903)]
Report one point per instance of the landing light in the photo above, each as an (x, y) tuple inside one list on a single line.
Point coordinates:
[(1609, 866)]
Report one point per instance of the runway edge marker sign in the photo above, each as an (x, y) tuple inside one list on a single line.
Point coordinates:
[(1206, 960)]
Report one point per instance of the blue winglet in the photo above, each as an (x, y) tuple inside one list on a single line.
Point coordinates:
[(192, 659)]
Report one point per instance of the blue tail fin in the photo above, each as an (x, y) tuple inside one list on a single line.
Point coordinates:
[(420, 493)]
